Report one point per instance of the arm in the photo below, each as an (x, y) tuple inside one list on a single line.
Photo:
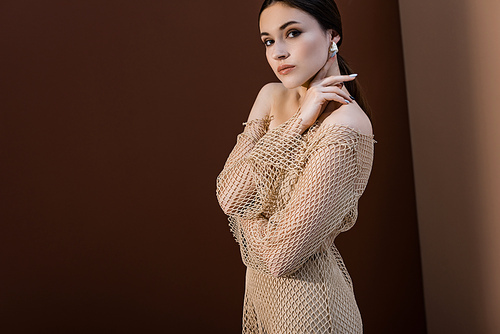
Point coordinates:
[(243, 186), (237, 184), (322, 197)]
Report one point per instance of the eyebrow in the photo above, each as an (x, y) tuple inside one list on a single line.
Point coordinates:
[(283, 27)]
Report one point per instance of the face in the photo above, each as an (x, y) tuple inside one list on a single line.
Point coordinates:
[(296, 45)]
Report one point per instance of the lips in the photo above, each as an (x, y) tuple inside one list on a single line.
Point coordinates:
[(285, 69)]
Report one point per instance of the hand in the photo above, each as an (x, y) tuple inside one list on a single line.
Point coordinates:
[(322, 90)]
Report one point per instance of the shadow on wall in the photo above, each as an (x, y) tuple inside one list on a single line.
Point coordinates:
[(453, 76)]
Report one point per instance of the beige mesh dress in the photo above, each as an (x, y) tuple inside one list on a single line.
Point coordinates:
[(288, 195)]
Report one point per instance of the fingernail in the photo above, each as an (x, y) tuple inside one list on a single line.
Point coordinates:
[(353, 75), (352, 97), (347, 101)]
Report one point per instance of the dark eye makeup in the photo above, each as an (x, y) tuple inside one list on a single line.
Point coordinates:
[(268, 42), (291, 33)]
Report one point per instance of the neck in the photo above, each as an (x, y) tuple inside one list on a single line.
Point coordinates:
[(302, 90)]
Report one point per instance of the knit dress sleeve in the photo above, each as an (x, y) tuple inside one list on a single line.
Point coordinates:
[(280, 224), (236, 186)]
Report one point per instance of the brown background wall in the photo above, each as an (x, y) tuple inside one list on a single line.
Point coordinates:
[(117, 116), (452, 54)]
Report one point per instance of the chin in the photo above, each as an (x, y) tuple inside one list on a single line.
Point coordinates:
[(294, 81), (291, 83)]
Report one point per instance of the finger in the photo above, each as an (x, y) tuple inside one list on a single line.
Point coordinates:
[(336, 79), (335, 97), (338, 91), (326, 83)]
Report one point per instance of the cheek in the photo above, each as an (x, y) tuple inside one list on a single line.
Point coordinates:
[(269, 58), (313, 51), (316, 61), (316, 54)]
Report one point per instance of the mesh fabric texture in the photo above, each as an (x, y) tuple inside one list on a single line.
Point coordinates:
[(287, 196)]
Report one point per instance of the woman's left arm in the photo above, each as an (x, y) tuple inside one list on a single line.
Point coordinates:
[(322, 197)]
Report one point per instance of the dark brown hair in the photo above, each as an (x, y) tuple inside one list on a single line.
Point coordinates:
[(327, 14)]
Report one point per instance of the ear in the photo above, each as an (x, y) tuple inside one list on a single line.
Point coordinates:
[(334, 36)]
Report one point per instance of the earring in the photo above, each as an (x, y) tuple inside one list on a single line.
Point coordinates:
[(333, 49)]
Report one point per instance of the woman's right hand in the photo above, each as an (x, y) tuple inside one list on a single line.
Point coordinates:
[(322, 90)]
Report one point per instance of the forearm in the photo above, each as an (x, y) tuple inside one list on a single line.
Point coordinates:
[(321, 199), (281, 245), (235, 184)]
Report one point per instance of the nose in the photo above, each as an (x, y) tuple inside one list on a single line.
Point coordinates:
[(279, 51)]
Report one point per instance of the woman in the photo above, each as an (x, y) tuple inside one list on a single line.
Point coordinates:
[(292, 182)]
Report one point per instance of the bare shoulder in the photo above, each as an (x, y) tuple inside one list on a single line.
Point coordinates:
[(269, 95), (263, 104), (351, 115)]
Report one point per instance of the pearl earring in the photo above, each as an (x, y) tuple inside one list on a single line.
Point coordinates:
[(333, 49)]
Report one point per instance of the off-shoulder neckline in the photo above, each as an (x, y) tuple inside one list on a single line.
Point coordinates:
[(342, 126), (316, 124)]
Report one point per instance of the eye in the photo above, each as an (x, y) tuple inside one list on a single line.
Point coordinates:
[(293, 33), (268, 42)]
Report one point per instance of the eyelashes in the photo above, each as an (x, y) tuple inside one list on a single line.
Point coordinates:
[(268, 42), (290, 34), (295, 33)]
